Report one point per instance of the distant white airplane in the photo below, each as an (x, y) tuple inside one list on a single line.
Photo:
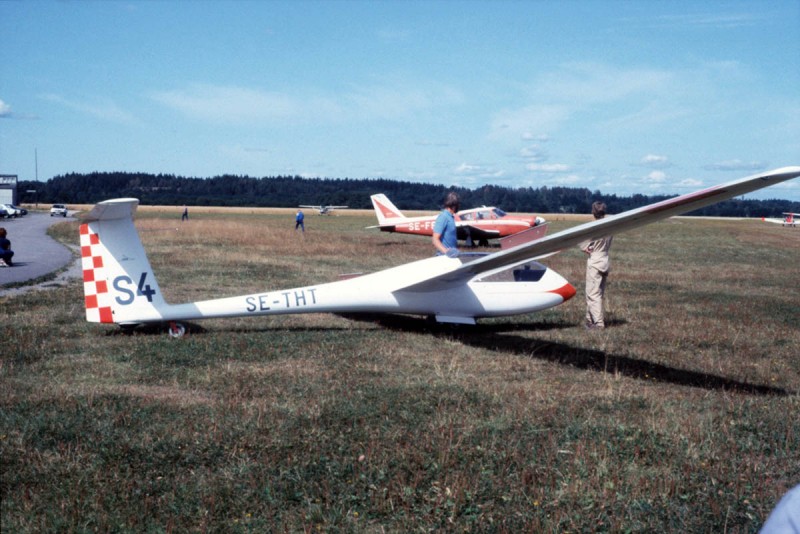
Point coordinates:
[(324, 210), (788, 219), (120, 286)]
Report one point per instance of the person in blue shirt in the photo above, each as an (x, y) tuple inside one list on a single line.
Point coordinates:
[(445, 237), (785, 518), (298, 221)]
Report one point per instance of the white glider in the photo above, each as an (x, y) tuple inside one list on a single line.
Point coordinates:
[(120, 286)]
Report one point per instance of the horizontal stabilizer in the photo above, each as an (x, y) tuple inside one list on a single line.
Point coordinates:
[(109, 210)]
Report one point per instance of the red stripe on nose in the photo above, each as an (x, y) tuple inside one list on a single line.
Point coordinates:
[(566, 291)]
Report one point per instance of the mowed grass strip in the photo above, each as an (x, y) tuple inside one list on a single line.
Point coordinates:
[(678, 417)]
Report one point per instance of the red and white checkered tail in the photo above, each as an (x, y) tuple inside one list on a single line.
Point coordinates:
[(118, 282)]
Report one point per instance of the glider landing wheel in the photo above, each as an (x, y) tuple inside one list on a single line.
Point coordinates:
[(128, 329), (176, 330)]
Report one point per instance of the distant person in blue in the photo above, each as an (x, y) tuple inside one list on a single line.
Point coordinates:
[(185, 216), (5, 250), (445, 237), (298, 221)]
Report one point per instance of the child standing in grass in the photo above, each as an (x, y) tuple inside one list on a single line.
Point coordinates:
[(5, 249)]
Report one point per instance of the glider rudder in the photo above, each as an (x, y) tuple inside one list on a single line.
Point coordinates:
[(112, 256)]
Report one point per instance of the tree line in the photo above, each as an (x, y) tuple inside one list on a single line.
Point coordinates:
[(291, 191)]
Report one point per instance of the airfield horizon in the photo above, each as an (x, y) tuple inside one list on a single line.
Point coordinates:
[(177, 210)]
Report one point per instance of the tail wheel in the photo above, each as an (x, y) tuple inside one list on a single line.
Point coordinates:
[(176, 330)]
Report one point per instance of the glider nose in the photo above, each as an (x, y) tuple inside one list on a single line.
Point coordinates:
[(567, 291)]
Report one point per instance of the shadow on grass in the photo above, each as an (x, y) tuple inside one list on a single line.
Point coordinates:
[(498, 338), (413, 323), (161, 329), (154, 329), (596, 360)]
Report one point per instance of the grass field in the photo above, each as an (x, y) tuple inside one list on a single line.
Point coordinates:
[(682, 416)]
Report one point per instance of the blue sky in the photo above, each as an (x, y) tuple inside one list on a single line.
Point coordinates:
[(626, 97)]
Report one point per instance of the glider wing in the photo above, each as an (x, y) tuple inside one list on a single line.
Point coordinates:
[(608, 226)]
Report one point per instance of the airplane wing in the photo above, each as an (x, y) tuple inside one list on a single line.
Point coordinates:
[(309, 207), (608, 226)]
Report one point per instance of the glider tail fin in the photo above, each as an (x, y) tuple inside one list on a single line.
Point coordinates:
[(386, 211), (118, 283)]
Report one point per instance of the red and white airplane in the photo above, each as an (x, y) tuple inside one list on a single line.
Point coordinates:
[(120, 286), (476, 224), (788, 219)]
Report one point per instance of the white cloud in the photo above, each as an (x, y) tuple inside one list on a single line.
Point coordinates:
[(439, 144), (736, 165), (393, 35), (470, 173), (556, 98), (388, 102), (548, 167), (589, 83), (690, 183), (656, 177), (103, 109), (517, 123), (466, 168), (228, 103), (6, 113), (541, 138), (233, 104), (533, 153), (711, 20), (571, 180), (655, 161)]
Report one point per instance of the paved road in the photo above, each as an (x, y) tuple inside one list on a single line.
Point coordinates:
[(35, 253)]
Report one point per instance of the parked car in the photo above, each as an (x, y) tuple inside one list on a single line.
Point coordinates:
[(22, 211), (10, 210), (58, 209)]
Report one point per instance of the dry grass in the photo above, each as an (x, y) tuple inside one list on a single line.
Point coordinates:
[(676, 418)]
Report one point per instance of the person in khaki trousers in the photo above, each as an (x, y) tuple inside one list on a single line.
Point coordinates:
[(597, 268)]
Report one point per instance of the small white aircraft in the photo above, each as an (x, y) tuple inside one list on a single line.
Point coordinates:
[(788, 219), (324, 210), (120, 287)]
